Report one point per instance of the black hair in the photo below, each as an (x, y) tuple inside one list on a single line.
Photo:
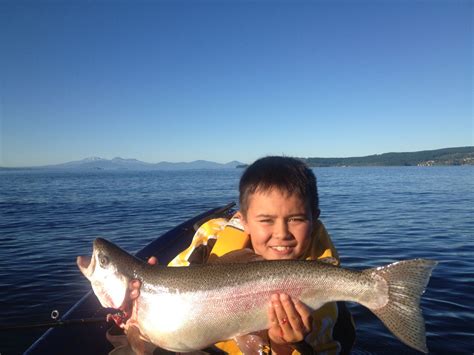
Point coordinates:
[(290, 175)]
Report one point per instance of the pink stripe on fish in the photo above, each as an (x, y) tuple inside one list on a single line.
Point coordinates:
[(251, 296)]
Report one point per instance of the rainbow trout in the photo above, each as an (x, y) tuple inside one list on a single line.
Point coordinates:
[(189, 308)]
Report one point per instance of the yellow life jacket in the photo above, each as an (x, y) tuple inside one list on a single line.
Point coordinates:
[(220, 236), (232, 237)]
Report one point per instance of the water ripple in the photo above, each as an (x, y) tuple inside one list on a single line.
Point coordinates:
[(375, 216)]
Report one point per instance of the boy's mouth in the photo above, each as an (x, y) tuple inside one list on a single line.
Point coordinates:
[(281, 249)]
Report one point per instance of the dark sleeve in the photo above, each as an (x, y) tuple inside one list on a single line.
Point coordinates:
[(344, 329)]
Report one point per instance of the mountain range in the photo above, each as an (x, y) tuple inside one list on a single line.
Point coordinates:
[(96, 163), (446, 156)]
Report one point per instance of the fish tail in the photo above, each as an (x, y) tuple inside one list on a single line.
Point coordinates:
[(406, 281)]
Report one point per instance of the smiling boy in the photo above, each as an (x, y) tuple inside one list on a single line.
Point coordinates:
[(278, 219), (279, 226)]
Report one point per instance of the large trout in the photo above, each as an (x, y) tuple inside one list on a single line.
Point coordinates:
[(189, 308)]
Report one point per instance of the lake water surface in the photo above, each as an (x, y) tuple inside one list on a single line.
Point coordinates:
[(374, 215)]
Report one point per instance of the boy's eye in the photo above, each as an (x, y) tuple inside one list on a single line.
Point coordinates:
[(265, 221), (296, 219)]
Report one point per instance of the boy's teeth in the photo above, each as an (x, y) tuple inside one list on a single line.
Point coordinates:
[(281, 248)]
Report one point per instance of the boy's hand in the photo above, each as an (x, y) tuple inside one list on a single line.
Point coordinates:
[(290, 320), (134, 285)]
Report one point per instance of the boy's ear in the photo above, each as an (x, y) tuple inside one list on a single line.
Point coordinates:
[(243, 220), (246, 227)]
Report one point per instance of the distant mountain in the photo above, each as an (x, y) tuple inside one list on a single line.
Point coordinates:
[(97, 163), (197, 164), (447, 156)]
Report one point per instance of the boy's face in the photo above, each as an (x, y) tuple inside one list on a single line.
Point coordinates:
[(279, 225)]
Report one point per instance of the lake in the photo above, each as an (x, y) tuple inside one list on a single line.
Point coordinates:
[(374, 215)]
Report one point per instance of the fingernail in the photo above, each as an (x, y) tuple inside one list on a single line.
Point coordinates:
[(275, 297), (284, 297)]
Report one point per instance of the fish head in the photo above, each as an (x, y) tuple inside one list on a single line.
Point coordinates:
[(108, 281)]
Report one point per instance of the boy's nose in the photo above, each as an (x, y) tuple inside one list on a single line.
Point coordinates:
[(281, 230)]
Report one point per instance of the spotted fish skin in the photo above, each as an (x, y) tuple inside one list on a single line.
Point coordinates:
[(189, 308)]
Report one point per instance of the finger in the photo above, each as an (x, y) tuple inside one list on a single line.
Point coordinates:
[(275, 333), (134, 287), (272, 317), (134, 294), (281, 314), (305, 314), (152, 260), (134, 284), (294, 318)]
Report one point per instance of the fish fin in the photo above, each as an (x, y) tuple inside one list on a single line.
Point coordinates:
[(122, 350), (238, 256), (251, 344), (406, 281), (136, 341), (116, 336)]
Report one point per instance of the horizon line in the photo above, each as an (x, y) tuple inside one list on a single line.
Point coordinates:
[(95, 157)]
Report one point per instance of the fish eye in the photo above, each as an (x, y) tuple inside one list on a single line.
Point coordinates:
[(103, 260)]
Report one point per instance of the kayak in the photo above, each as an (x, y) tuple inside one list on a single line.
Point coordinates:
[(90, 338)]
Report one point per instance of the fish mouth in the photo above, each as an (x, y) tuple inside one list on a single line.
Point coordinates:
[(86, 265)]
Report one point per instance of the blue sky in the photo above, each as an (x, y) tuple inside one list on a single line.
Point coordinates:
[(225, 80)]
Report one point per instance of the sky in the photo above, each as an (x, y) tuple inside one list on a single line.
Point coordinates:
[(232, 80)]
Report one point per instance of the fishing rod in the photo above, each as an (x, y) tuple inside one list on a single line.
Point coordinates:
[(56, 322), (52, 324)]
